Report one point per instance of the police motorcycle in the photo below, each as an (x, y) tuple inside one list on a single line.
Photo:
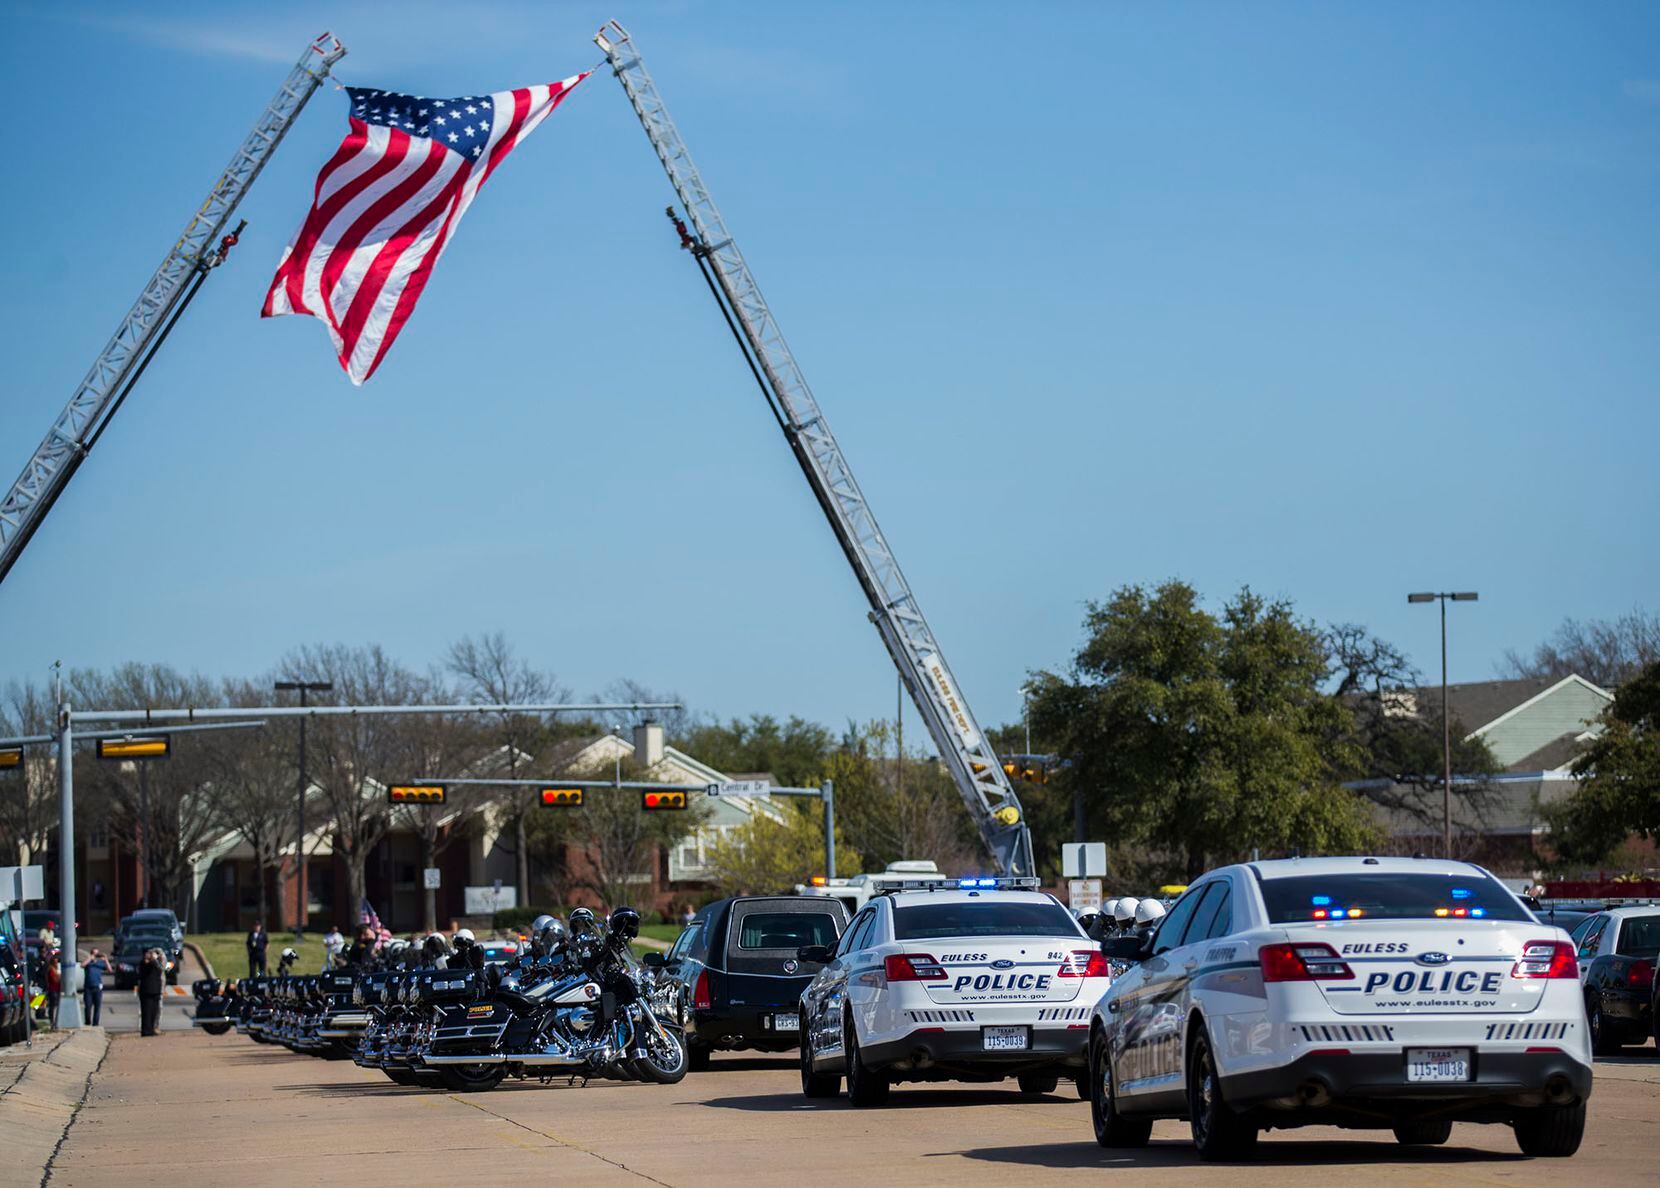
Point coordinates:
[(339, 1020), (216, 1005), (400, 1017), (255, 1013), (575, 1007)]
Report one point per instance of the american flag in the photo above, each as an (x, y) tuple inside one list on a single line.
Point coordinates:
[(386, 205), (366, 915)]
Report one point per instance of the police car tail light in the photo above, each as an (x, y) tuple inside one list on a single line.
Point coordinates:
[(1085, 963), (913, 967), (1302, 963), (702, 999), (1546, 959), (1641, 974)]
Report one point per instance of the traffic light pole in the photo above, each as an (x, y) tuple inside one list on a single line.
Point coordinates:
[(825, 792)]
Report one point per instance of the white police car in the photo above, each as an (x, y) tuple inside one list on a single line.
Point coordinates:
[(1390, 993), (951, 979)]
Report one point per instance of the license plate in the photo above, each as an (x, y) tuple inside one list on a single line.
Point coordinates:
[(1004, 1039), (1437, 1064), (786, 1022)]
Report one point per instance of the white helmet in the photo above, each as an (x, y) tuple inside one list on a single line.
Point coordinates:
[(1109, 909), (1124, 910), (464, 934), (1148, 912)]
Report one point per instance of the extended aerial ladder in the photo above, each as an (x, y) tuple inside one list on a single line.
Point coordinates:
[(972, 761), (147, 324)]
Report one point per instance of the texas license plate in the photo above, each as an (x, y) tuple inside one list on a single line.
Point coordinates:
[(1004, 1039), (786, 1022), (1438, 1064)]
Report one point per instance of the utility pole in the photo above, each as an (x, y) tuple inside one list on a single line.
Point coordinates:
[(303, 687), (144, 842), (1446, 719)]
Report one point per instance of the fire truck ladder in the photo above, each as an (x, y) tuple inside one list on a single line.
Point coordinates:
[(973, 763), (153, 315)]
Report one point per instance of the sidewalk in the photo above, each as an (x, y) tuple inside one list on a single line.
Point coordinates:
[(42, 1087)]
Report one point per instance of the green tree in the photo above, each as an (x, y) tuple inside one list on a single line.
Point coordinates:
[(766, 857), (1196, 737), (794, 751), (1619, 776)]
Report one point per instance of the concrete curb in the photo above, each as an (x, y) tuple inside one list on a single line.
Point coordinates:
[(36, 1112), (201, 959)]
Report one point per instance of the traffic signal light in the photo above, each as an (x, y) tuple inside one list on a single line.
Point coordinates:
[(1034, 769), (561, 797), (415, 794), (657, 802), (11, 757), (153, 747)]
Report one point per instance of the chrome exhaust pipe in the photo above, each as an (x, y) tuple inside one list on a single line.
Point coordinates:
[(542, 1059), (1559, 1090), (486, 1058)]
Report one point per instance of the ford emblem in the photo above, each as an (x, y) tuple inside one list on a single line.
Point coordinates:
[(1002, 963), (1433, 959), (790, 966)]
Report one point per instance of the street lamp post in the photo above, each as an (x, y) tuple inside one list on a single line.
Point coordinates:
[(1446, 720), (302, 687)]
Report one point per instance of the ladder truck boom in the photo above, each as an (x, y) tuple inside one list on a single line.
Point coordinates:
[(972, 761), (146, 325)]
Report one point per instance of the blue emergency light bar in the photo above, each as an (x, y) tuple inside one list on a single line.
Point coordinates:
[(975, 883)]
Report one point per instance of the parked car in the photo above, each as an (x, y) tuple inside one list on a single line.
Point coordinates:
[(150, 920), (737, 973), (129, 950), (14, 999), (1617, 952)]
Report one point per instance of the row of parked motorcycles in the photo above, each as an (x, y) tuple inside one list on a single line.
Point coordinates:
[(572, 1003)]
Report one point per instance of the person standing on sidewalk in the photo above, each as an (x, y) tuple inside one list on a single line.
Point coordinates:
[(334, 944), (93, 971), (257, 940), (149, 991), (53, 979)]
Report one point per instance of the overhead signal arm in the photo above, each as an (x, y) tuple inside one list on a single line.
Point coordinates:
[(973, 763), (202, 247)]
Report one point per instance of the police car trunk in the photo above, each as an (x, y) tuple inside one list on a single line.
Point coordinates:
[(1419, 982), (987, 979)]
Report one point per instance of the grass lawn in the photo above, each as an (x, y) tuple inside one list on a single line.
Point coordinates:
[(668, 933), (228, 953)]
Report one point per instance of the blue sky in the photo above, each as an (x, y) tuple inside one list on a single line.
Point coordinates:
[(1335, 301)]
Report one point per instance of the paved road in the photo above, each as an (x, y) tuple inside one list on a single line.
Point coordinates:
[(121, 1006), (185, 1108)]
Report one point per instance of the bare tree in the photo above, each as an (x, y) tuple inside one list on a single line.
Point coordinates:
[(357, 757), (442, 744), (676, 723), (168, 805), (254, 774), (492, 673), (1606, 652), (621, 841), (29, 793)]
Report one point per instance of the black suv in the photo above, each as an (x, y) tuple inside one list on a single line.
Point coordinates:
[(738, 975), (14, 997)]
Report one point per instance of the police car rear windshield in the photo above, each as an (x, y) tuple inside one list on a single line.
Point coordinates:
[(1396, 895), (988, 918)]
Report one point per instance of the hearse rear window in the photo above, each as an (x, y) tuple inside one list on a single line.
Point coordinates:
[(786, 930)]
